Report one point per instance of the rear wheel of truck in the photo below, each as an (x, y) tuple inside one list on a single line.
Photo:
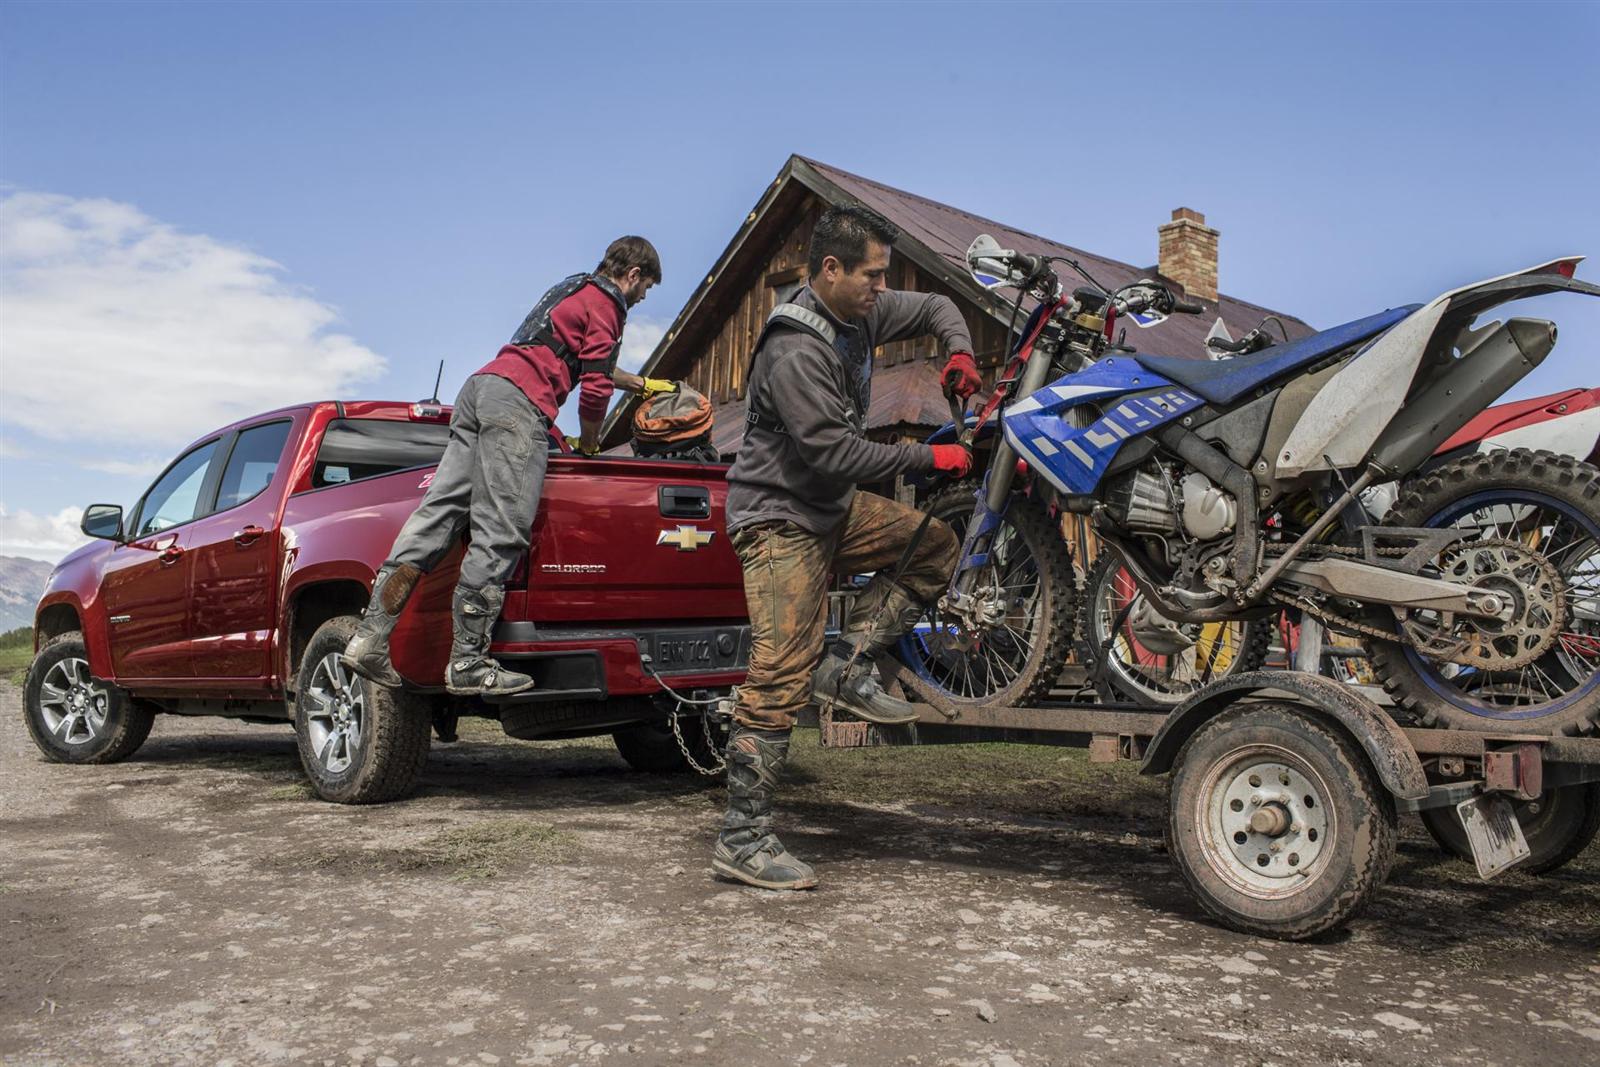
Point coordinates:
[(1558, 826), (360, 742), (652, 748), (1278, 823), (74, 717)]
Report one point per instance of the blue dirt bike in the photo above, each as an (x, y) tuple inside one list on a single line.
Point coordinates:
[(1230, 489)]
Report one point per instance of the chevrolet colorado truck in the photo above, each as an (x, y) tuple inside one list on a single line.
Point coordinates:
[(234, 582)]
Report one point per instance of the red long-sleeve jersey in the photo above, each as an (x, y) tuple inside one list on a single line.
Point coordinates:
[(589, 324)]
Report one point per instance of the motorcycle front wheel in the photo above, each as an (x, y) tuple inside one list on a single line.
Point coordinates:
[(1028, 582), (1532, 524), (1133, 653)]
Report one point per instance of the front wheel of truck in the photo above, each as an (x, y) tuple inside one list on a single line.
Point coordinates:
[(74, 717), (360, 742)]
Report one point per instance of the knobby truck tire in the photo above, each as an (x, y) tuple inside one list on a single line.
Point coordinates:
[(127, 721), (395, 736)]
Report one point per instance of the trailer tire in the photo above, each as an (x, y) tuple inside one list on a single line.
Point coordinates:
[(1558, 827), (1327, 835), (81, 719), (359, 742)]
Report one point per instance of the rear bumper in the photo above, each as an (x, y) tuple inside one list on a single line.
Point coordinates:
[(597, 664)]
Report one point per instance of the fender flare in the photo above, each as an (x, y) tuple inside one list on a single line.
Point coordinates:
[(1383, 741)]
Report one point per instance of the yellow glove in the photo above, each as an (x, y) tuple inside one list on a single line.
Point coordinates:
[(576, 444), (652, 386)]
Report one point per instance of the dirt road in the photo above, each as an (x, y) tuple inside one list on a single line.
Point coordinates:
[(539, 904)]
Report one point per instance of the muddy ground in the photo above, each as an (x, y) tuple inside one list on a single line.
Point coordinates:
[(542, 904)]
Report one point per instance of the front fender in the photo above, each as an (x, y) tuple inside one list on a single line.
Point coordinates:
[(1384, 743)]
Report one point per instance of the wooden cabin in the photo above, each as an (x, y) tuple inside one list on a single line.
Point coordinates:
[(709, 343)]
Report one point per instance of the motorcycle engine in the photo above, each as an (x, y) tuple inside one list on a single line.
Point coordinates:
[(1149, 501)]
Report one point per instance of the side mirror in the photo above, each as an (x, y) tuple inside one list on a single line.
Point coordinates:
[(103, 521)]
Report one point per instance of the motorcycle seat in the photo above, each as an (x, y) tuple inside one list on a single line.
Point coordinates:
[(1225, 381)]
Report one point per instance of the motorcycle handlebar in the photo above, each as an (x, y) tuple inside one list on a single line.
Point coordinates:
[(1187, 307), (1222, 345)]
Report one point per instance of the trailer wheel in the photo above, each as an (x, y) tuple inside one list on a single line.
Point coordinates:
[(1278, 823), (360, 742), (1558, 827)]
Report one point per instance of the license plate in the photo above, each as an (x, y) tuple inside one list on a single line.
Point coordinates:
[(690, 650), (1494, 833)]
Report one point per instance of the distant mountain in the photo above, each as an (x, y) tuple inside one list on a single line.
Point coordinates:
[(21, 586)]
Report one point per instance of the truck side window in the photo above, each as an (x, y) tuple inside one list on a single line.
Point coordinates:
[(251, 464), (355, 449), (176, 495)]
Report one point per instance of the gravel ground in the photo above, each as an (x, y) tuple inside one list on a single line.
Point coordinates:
[(541, 904)]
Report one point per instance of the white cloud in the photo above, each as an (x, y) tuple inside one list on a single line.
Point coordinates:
[(46, 537), (639, 339), (119, 329)]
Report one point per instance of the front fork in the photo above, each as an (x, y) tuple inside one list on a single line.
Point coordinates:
[(990, 502)]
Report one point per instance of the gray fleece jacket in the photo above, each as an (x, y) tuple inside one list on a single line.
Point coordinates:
[(821, 395)]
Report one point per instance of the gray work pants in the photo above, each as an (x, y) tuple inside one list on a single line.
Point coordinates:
[(489, 481)]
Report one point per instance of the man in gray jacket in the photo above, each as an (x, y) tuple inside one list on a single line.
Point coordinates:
[(795, 517)]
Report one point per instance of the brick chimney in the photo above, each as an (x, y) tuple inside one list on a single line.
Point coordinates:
[(1189, 253)]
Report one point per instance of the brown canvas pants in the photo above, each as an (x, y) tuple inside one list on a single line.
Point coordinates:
[(786, 572)]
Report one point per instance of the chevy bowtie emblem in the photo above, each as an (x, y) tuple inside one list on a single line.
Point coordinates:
[(687, 538)]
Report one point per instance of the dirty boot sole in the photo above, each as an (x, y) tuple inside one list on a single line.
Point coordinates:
[(731, 873), (828, 703), (480, 691), (383, 673)]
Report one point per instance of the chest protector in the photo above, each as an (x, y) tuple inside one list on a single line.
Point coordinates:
[(784, 317), (535, 330)]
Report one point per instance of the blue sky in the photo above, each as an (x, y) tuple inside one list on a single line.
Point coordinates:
[(213, 209)]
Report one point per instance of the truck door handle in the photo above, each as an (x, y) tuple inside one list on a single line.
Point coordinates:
[(171, 555), (248, 535), (684, 501)]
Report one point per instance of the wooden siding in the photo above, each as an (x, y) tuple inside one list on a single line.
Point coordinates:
[(719, 369)]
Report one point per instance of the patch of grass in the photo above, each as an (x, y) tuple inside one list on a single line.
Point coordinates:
[(468, 853), (296, 791), (1033, 781), (14, 662)]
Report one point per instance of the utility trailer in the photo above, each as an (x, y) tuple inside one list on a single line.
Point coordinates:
[(1287, 788)]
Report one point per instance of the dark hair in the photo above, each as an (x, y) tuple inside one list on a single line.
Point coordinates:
[(625, 253), (843, 232)]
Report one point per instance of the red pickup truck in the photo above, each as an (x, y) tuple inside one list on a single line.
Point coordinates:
[(234, 582)]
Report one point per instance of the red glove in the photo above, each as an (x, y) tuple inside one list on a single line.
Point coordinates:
[(960, 377), (953, 458)]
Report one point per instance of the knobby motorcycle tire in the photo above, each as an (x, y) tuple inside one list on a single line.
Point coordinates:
[(1558, 477), (1255, 639), (1055, 618)]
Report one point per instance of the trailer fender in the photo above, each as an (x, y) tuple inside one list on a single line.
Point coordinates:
[(1385, 744)]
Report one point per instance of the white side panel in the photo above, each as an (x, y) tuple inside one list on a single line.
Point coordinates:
[(1570, 435), (1350, 411)]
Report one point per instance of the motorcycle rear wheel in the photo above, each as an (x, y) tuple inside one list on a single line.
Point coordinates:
[(1551, 504)]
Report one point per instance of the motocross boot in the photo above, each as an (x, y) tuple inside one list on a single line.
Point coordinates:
[(368, 651), (471, 671), (747, 850), (847, 678)]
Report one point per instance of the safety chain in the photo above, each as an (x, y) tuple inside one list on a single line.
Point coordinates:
[(711, 746)]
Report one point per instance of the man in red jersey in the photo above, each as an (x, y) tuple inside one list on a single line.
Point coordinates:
[(492, 472)]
